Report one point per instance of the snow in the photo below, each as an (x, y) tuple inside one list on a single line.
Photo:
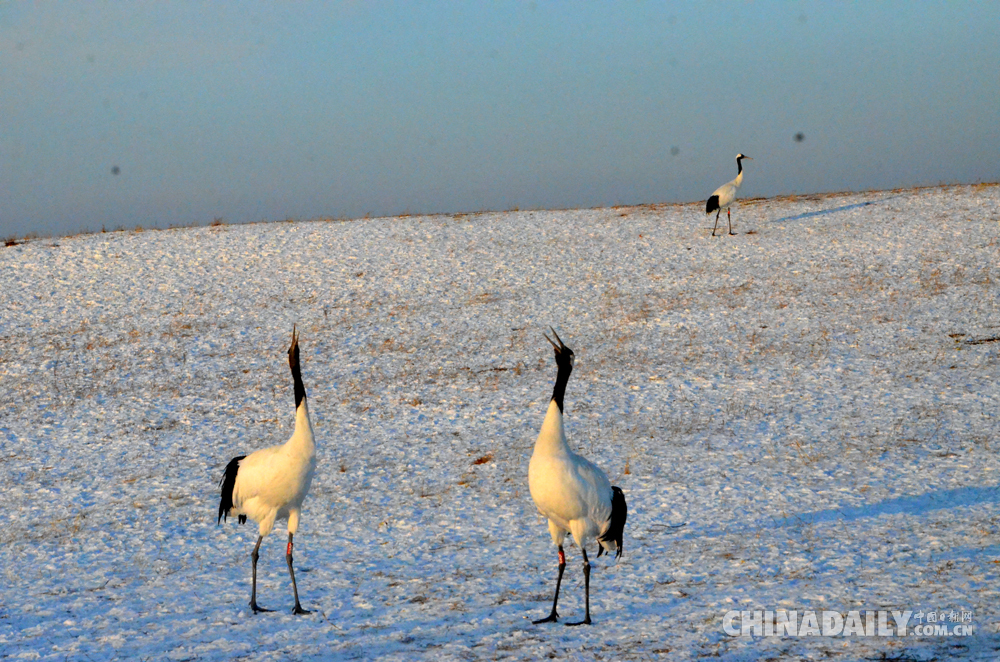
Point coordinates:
[(801, 416)]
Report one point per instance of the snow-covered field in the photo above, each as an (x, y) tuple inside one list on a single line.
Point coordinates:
[(802, 416)]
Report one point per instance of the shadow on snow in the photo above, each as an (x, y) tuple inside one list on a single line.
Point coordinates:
[(911, 505), (823, 212)]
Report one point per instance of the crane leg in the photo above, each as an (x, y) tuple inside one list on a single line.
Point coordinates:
[(253, 591), (586, 589), (295, 589), (730, 216), (716, 221), (554, 616)]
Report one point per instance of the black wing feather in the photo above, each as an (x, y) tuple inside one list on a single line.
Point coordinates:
[(228, 483), (712, 204), (616, 528)]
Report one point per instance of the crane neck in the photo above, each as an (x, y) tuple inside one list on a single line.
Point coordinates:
[(552, 438), (302, 438), (739, 167), (562, 378)]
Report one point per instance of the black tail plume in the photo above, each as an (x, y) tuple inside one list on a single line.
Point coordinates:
[(228, 483), (616, 526), (712, 204)]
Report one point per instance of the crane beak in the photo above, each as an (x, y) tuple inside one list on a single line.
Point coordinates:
[(561, 346)]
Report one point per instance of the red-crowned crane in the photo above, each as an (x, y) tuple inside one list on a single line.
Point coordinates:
[(271, 483), (572, 492), (725, 196)]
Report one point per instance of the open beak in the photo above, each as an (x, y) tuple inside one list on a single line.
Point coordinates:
[(560, 347)]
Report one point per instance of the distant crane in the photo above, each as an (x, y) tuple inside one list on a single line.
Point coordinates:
[(271, 483), (725, 196), (572, 492)]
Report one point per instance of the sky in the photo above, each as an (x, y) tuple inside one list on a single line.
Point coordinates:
[(118, 115)]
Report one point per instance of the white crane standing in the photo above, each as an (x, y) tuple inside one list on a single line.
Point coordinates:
[(572, 492), (725, 196), (271, 483)]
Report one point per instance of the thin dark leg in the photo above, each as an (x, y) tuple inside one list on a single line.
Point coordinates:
[(253, 591), (716, 220), (730, 215), (554, 616), (295, 589), (586, 588)]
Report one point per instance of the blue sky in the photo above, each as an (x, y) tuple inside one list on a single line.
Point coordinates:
[(260, 111)]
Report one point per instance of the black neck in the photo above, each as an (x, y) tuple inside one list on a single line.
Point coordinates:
[(739, 166), (561, 380), (300, 388)]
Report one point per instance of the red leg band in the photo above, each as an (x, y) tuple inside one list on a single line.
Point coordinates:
[(289, 550), (562, 558)]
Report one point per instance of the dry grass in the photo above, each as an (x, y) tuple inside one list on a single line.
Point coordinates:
[(484, 297)]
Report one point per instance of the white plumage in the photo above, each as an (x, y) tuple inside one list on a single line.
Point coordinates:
[(568, 489), (270, 484), (571, 492), (725, 196)]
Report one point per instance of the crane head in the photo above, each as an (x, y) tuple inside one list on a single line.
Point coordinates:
[(563, 353)]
